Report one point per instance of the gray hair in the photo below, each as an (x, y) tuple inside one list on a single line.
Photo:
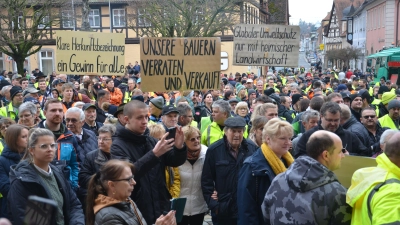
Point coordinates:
[(78, 110), (107, 128), (307, 115), (230, 87), (386, 135), (223, 106), (27, 106), (5, 88), (79, 104), (183, 108)]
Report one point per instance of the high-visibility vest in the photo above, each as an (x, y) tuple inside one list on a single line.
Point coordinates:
[(386, 121), (214, 133), (9, 111)]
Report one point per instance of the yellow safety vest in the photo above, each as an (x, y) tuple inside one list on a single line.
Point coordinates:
[(214, 133), (8, 111), (386, 121)]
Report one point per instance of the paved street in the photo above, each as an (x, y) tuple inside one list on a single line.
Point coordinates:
[(303, 62)]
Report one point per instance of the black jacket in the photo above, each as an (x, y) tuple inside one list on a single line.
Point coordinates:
[(7, 159), (25, 182), (359, 130), (86, 145), (382, 110), (101, 115), (91, 165), (349, 141), (94, 129), (374, 139), (220, 173), (284, 113), (150, 194), (356, 115)]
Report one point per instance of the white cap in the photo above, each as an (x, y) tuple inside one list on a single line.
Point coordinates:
[(249, 81)]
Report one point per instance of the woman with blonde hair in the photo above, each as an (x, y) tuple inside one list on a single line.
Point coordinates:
[(242, 110), (190, 178), (258, 171)]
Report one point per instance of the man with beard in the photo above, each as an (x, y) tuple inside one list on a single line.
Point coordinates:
[(150, 157), (67, 144), (356, 106), (375, 130), (330, 121), (391, 120)]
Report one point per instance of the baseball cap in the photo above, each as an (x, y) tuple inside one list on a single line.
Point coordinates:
[(16, 76), (88, 105), (169, 109)]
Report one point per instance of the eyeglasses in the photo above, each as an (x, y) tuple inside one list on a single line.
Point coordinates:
[(129, 179), (104, 139), (4, 127), (71, 120), (370, 116), (47, 146), (194, 139)]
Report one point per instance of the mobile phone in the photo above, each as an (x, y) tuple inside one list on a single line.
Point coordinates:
[(171, 132), (39, 211)]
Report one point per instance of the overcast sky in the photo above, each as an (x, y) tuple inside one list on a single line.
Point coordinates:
[(309, 10)]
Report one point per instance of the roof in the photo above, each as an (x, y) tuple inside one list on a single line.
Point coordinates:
[(327, 17), (386, 52)]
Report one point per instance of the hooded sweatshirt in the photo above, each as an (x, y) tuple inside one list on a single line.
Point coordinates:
[(308, 193), (384, 203)]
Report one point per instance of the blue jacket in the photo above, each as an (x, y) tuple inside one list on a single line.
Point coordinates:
[(67, 151), (7, 159), (25, 181), (255, 178), (86, 145)]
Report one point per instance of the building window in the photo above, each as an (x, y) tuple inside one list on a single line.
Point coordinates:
[(143, 20), (45, 23), (119, 17), (94, 18), (68, 19), (46, 61)]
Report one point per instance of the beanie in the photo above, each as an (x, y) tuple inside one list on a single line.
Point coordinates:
[(158, 102), (296, 98), (239, 88), (250, 91), (15, 90), (394, 104), (383, 89), (387, 96)]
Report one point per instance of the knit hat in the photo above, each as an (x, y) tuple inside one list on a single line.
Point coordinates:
[(269, 91), (394, 104), (387, 96), (158, 102), (383, 89), (296, 98), (353, 96), (239, 88), (342, 87), (250, 91), (275, 97), (15, 90)]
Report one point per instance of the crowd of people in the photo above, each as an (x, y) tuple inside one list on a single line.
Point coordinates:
[(257, 150)]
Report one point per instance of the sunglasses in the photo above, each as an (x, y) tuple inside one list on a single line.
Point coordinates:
[(366, 117), (47, 146)]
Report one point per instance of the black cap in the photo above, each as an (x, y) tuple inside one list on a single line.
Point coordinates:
[(88, 105), (345, 95), (233, 122), (169, 109), (119, 110), (233, 100)]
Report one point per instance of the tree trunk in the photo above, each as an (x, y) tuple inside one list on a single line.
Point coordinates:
[(20, 61)]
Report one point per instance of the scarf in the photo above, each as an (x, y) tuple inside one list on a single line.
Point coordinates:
[(273, 160)]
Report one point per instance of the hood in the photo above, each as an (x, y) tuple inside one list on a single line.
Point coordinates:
[(349, 122), (23, 171), (103, 201), (307, 173), (14, 156), (363, 179)]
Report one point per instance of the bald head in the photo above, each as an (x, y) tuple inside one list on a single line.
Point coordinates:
[(320, 141), (391, 149)]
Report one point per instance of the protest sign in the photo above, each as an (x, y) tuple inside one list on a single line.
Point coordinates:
[(90, 53), (349, 165), (169, 64), (266, 45)]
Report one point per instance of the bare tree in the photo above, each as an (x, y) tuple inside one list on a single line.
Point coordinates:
[(183, 18), (23, 23), (85, 16), (344, 55)]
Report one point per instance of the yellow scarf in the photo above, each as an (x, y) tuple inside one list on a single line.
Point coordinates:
[(275, 162)]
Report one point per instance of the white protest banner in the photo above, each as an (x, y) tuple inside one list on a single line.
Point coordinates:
[(266, 45), (170, 64), (90, 53)]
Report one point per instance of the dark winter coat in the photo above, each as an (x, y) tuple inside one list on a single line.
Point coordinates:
[(359, 130), (220, 173), (150, 194), (87, 144), (374, 139), (7, 159), (94, 129), (255, 178), (349, 141), (285, 114), (305, 194), (118, 213), (25, 181)]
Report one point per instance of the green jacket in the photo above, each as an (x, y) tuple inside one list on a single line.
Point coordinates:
[(384, 203)]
